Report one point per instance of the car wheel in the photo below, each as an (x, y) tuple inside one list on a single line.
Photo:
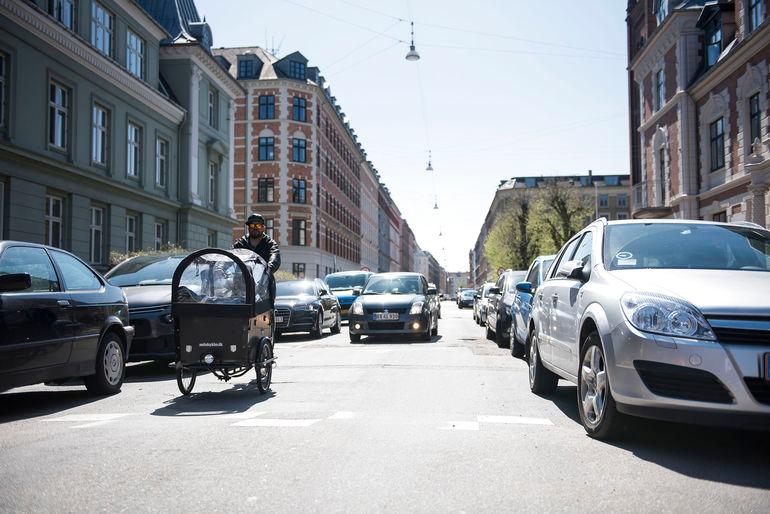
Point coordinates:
[(500, 339), (517, 349), (598, 412), (490, 333), (110, 366), (264, 368), (541, 380), (355, 338), (434, 332), (337, 327), (318, 329), (427, 335)]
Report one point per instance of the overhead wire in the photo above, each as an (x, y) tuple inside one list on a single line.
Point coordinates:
[(362, 45)]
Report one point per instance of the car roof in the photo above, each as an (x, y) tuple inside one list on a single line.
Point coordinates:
[(349, 273)]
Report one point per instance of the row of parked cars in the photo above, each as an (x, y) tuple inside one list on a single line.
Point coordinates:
[(664, 319)]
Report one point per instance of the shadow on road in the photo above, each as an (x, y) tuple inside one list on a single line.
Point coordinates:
[(395, 339), (736, 457), (35, 404), (149, 372), (238, 398)]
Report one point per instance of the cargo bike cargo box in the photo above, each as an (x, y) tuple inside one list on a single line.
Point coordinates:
[(220, 303)]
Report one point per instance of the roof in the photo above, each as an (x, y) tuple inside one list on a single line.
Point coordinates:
[(268, 66), (181, 20)]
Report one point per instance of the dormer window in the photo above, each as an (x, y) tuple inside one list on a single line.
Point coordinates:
[(661, 10), (245, 68), (296, 70), (755, 14), (713, 40)]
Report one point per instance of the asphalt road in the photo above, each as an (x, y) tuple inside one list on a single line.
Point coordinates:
[(382, 425)]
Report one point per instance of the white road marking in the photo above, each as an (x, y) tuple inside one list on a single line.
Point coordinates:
[(514, 420), (342, 415), (265, 422), (94, 424), (242, 415), (460, 425), (79, 418)]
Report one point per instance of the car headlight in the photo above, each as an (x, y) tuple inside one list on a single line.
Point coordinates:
[(661, 314), (417, 308), (357, 309)]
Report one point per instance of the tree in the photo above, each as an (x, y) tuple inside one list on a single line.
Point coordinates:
[(559, 212), (512, 242)]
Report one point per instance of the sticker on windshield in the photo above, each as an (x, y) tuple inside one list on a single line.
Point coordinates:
[(622, 256), (626, 262)]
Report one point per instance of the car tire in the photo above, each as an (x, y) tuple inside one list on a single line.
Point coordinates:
[(427, 335), (517, 349), (434, 332), (318, 329), (490, 333), (110, 366), (541, 380), (337, 327), (594, 393), (500, 338), (355, 338)]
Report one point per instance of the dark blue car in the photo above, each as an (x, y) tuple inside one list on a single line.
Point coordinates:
[(522, 302), (342, 285)]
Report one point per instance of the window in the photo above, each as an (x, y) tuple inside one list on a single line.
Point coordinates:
[(755, 14), (298, 269), (533, 275), (3, 87), (131, 225), (2, 210), (265, 190), (298, 190), (245, 68), (296, 70), (58, 115), (213, 178), (604, 201), (134, 150), (213, 101), (266, 107), (63, 11), (623, 200), (97, 235), (76, 275), (266, 149), (160, 235), (100, 126), (720, 217), (713, 40), (755, 131), (662, 173), (102, 23), (298, 232), (134, 54), (35, 261), (298, 150), (660, 90), (299, 113), (622, 215), (583, 252), (566, 255), (211, 239), (269, 228), (161, 162), (54, 221), (717, 132), (661, 10)]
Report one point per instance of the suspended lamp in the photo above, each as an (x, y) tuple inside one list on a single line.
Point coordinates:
[(412, 54)]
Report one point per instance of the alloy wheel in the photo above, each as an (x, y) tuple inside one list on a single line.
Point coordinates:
[(593, 385), (532, 358)]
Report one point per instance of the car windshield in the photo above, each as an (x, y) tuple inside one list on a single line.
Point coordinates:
[(545, 267), (469, 294), (294, 288), (686, 246), (347, 281), (144, 271), (518, 276), (393, 285)]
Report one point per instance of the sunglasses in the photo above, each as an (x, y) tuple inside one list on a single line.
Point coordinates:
[(255, 226)]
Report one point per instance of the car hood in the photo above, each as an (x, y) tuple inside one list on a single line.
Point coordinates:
[(714, 292), (390, 301), (343, 293), (288, 301), (147, 296)]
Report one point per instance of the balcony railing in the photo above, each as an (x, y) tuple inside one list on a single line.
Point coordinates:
[(640, 196)]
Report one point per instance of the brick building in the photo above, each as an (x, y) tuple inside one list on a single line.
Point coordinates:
[(698, 97)]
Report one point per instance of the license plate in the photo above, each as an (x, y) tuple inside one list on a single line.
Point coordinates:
[(767, 367), (279, 319), (385, 316)]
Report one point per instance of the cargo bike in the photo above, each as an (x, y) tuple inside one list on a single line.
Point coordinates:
[(222, 312)]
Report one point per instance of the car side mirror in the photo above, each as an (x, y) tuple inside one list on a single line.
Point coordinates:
[(323, 292), (432, 291), (571, 270), (477, 296), (493, 290), (15, 282), (357, 291), (524, 287)]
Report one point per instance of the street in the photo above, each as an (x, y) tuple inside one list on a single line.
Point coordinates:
[(384, 425)]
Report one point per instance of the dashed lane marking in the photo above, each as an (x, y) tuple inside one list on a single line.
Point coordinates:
[(88, 420), (281, 423), (514, 420)]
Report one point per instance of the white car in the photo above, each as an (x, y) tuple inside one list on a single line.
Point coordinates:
[(481, 303)]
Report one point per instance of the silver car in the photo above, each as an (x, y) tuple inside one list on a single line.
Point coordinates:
[(481, 303), (666, 319)]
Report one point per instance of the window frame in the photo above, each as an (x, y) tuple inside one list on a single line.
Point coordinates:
[(159, 238), (660, 90), (299, 150), (134, 149), (211, 238), (131, 235), (299, 109), (717, 144), (135, 55), (269, 227), (98, 25), (297, 70), (622, 200), (268, 185), (604, 200), (755, 14), (661, 11), (712, 31), (299, 270), (299, 190), (266, 107), (662, 172), (55, 9), (213, 105), (213, 181), (58, 111), (100, 132), (50, 220), (755, 120), (267, 144), (3, 90), (246, 63), (94, 229), (299, 232), (161, 162)]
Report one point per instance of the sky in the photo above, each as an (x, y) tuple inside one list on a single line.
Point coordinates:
[(502, 89)]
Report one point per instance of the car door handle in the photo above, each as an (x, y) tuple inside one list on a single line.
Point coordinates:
[(63, 303), (555, 298)]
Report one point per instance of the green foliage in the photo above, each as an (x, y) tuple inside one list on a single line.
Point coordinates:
[(559, 212), (511, 242), (283, 276)]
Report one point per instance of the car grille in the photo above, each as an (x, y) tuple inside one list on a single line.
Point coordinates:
[(739, 330), (372, 310), (682, 382), (386, 325), (147, 310), (286, 315), (303, 317), (760, 389)]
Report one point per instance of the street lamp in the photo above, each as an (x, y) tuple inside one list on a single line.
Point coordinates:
[(412, 54)]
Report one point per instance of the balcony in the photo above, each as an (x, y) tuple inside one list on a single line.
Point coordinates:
[(644, 207)]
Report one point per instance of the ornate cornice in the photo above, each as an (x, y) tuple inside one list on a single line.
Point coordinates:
[(661, 42), (205, 62), (46, 29)]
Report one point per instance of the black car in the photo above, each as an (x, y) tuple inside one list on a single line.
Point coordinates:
[(146, 280), (59, 319), (501, 298), (395, 303), (306, 306), (466, 298)]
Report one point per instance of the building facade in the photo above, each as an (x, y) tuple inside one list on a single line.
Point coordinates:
[(90, 132), (698, 98), (609, 194)]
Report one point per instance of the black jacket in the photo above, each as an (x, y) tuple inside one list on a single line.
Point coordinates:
[(267, 248)]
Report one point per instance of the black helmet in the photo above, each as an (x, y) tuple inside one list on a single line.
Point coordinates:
[(255, 218)]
